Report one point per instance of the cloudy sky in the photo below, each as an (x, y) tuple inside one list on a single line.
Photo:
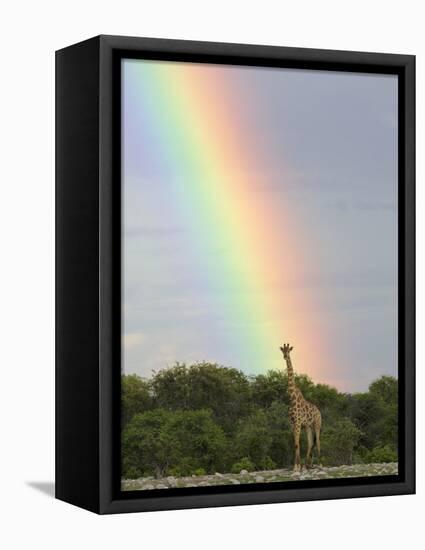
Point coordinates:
[(334, 137)]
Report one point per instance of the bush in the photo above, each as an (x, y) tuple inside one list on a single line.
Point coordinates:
[(338, 442), (160, 442), (281, 449), (148, 445), (253, 439), (175, 471), (132, 473), (243, 464), (387, 453), (267, 464)]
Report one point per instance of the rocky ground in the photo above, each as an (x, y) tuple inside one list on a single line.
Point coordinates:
[(358, 470)]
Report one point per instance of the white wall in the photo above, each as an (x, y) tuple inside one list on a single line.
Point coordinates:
[(30, 32)]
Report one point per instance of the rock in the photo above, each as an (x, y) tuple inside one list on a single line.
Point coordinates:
[(267, 476), (172, 481)]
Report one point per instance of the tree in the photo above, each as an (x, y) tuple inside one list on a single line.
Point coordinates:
[(386, 388), (375, 413), (338, 442), (331, 403), (225, 391), (177, 442), (148, 445), (135, 396), (281, 449), (385, 430), (269, 388), (202, 440), (253, 439)]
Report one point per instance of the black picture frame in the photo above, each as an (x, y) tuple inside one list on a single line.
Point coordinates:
[(88, 271)]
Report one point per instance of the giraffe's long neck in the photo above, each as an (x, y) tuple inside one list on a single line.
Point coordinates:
[(291, 379)]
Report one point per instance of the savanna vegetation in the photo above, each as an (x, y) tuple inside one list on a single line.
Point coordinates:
[(204, 418)]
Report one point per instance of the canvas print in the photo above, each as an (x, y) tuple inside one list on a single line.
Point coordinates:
[(259, 275)]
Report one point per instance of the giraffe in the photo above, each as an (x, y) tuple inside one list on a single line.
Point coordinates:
[(302, 414)]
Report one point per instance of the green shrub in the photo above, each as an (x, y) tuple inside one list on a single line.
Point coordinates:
[(387, 453), (267, 464), (175, 471), (253, 438), (338, 442), (159, 442), (132, 473), (243, 464)]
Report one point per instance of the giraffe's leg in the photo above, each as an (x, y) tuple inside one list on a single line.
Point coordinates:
[(317, 434), (297, 462), (314, 445), (310, 443)]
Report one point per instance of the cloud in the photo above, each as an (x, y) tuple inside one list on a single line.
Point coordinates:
[(133, 339), (372, 206)]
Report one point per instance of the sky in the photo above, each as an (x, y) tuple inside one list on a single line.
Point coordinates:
[(259, 207)]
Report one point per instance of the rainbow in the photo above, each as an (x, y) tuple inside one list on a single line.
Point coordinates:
[(204, 147)]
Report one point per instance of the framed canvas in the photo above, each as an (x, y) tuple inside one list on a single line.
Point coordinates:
[(235, 303)]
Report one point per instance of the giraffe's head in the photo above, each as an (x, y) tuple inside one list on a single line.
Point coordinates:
[(286, 350)]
